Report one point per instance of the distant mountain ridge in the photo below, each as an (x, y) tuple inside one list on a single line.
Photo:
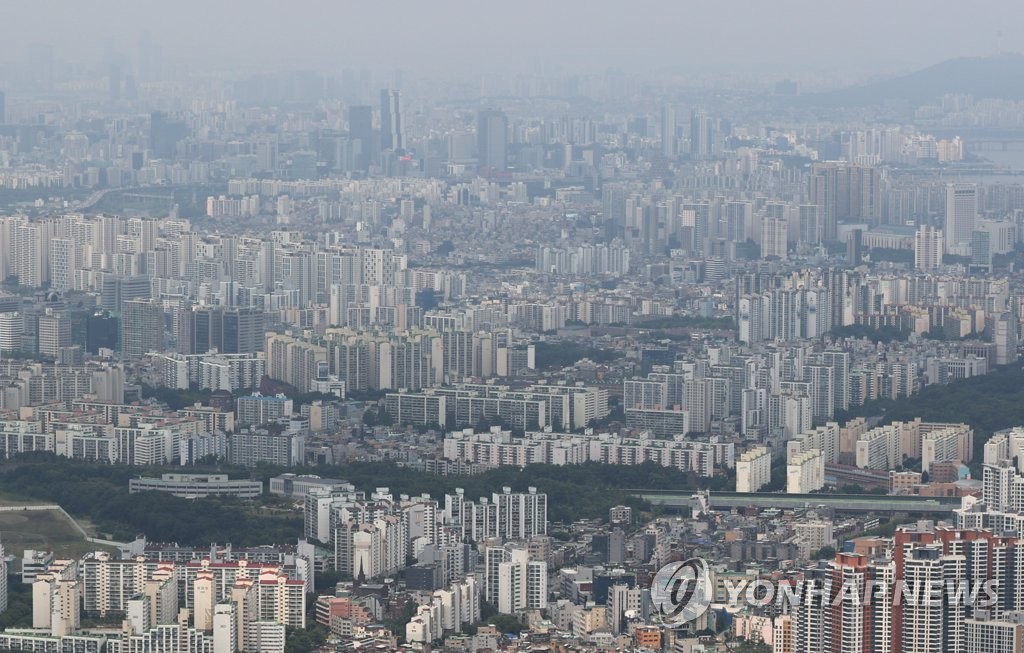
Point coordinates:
[(998, 76)]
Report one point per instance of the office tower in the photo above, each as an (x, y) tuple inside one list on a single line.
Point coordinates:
[(148, 58), (491, 141), (981, 249), (12, 328), (668, 133), (227, 330), (142, 327), (115, 291), (164, 134), (961, 213), (3, 108), (928, 248), (40, 62), (392, 126), (349, 86), (100, 332), (242, 331), (114, 81), (855, 247), (360, 128), (54, 333), (702, 135)]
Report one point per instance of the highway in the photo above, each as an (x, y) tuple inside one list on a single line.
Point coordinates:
[(839, 502)]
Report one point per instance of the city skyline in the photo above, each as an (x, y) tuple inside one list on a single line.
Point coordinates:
[(787, 38), (490, 328)]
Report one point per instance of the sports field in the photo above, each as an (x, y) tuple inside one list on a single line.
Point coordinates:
[(42, 530)]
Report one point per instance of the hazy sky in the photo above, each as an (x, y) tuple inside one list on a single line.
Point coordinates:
[(521, 35)]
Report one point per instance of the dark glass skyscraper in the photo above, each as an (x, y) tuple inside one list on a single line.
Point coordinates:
[(360, 128), (491, 141)]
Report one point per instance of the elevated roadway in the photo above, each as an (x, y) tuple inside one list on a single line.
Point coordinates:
[(838, 502)]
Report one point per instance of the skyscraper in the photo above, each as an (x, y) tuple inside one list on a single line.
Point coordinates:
[(164, 134), (227, 330), (142, 327), (855, 247), (3, 108), (961, 212), (491, 141), (668, 132), (392, 127), (360, 128), (844, 192), (981, 250), (114, 79), (774, 237), (54, 333), (702, 135)]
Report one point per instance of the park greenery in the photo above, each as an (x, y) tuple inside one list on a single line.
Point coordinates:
[(565, 354), (987, 403), (99, 493), (688, 322)]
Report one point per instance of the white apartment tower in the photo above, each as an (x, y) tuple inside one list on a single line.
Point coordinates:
[(928, 248)]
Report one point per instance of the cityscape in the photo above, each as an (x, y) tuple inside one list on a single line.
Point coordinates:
[(568, 328)]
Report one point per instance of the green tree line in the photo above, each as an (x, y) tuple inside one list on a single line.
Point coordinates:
[(100, 493)]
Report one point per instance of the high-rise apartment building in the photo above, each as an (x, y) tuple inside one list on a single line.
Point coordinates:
[(774, 233), (928, 248), (753, 469)]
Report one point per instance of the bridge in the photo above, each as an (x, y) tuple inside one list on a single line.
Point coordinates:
[(983, 139), (838, 502)]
